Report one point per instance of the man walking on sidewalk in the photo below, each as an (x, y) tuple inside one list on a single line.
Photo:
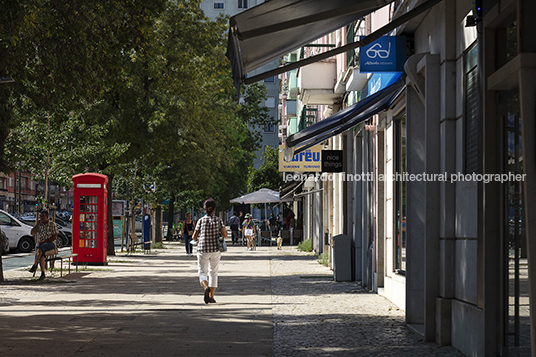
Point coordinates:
[(234, 222)]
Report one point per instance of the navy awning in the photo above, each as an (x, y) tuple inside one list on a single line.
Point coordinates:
[(348, 117), (274, 28)]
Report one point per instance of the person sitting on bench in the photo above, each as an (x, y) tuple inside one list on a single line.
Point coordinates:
[(47, 232)]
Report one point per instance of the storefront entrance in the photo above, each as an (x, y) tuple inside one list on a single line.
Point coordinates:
[(516, 314)]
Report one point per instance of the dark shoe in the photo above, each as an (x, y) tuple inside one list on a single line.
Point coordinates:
[(42, 276), (211, 300), (207, 297), (33, 268)]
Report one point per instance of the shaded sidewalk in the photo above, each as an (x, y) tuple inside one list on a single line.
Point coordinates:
[(142, 305), (270, 302)]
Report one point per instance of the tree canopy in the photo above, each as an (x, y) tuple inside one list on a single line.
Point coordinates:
[(268, 175)]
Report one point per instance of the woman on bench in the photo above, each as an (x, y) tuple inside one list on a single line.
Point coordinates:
[(47, 232)]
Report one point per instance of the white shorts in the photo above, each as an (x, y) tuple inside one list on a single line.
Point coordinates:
[(207, 266)]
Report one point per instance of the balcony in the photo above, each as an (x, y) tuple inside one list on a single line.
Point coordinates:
[(316, 83), (356, 80), (282, 131)]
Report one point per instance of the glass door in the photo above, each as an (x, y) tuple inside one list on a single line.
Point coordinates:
[(517, 314)]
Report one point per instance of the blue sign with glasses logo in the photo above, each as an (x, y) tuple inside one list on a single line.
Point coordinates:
[(386, 54)]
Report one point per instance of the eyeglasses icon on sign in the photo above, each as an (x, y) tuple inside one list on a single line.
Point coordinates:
[(377, 51)]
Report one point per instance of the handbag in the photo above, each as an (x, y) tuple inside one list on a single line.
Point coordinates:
[(190, 232), (222, 244)]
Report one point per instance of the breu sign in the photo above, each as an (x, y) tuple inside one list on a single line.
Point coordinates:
[(386, 54), (309, 160)]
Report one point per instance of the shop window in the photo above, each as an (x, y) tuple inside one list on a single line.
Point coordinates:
[(400, 202), (471, 110)]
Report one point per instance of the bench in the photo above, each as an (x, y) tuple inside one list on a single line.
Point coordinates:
[(134, 241), (52, 255)]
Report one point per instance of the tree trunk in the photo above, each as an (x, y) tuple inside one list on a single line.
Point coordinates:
[(158, 224), (110, 249), (171, 216)]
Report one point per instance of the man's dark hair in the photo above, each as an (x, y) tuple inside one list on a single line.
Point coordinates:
[(209, 205), (45, 212)]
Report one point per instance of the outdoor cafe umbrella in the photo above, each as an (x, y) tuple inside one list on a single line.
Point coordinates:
[(264, 195)]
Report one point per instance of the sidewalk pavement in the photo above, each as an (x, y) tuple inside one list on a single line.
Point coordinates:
[(269, 303)]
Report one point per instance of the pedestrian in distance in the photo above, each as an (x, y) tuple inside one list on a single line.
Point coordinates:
[(273, 224), (234, 222), (207, 233), (288, 219), (47, 233), (187, 233), (242, 218), (280, 220), (248, 229)]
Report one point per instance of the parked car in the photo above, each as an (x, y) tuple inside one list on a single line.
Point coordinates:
[(65, 234), (17, 232), (65, 228)]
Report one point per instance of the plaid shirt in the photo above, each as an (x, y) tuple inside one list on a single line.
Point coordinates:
[(209, 228), (45, 231)]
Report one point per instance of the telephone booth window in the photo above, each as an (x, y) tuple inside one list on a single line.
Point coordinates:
[(88, 221)]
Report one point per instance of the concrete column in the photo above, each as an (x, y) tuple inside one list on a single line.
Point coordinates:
[(447, 204), (364, 211), (423, 197), (318, 225), (380, 211), (358, 208), (432, 120), (415, 217), (327, 214), (349, 196), (368, 225)]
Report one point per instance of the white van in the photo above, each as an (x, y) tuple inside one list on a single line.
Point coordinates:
[(18, 233)]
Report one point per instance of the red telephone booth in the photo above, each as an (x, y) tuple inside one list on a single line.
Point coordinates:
[(89, 218)]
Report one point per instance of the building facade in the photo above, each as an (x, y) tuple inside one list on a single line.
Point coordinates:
[(436, 193), (18, 192)]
